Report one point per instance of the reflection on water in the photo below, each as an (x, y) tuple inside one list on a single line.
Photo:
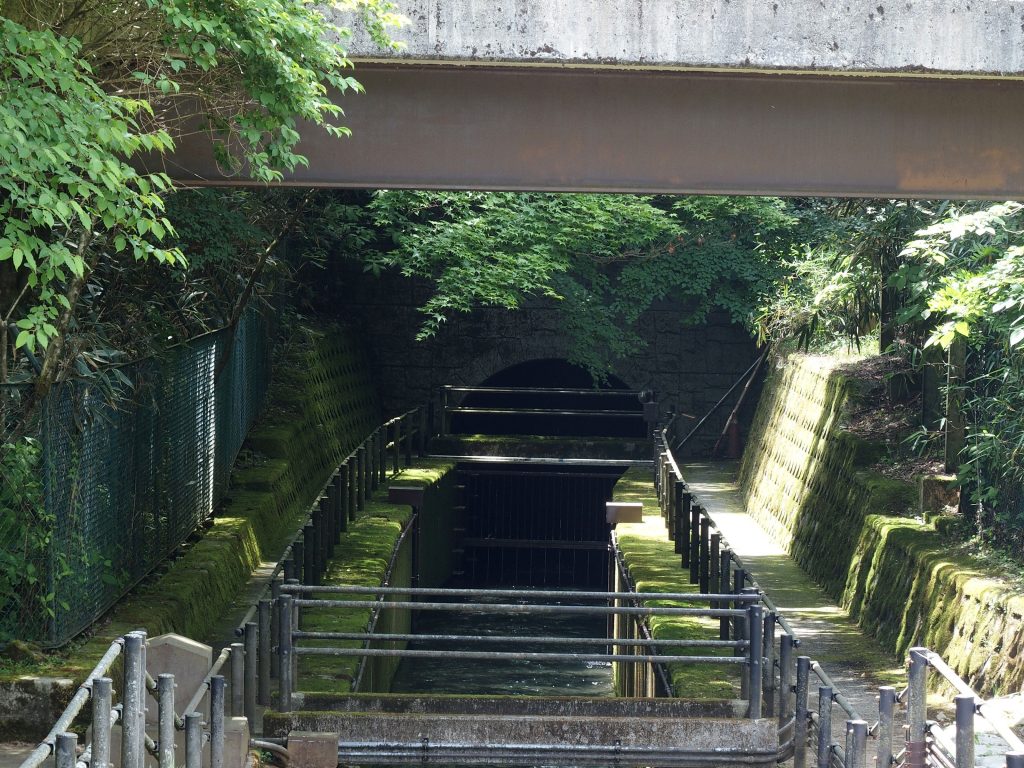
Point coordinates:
[(515, 677)]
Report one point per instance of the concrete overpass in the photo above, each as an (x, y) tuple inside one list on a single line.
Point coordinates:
[(914, 99)]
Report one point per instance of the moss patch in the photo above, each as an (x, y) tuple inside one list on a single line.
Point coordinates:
[(806, 481), (655, 567), (362, 558)]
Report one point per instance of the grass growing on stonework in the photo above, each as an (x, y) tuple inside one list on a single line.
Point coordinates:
[(655, 567)]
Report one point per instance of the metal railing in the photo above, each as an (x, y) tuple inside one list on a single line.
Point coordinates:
[(292, 602), (705, 552), (130, 715), (449, 408)]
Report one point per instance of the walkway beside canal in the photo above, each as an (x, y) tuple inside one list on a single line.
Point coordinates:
[(855, 661)]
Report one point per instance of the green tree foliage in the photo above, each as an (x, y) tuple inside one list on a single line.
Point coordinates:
[(605, 258), (88, 87)]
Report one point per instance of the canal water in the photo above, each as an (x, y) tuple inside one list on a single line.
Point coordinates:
[(512, 677)]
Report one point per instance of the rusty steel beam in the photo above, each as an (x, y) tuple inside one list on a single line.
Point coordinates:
[(611, 130)]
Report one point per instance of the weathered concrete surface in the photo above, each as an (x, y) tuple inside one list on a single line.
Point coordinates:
[(493, 734), (976, 37)]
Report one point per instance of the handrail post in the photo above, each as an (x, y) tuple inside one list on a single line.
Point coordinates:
[(724, 587), (739, 631), (694, 542), (886, 718), (102, 693), (686, 516), (132, 701), (264, 635), (408, 440), (857, 744), (824, 725), (217, 685), (715, 555), (445, 415), (251, 673), (918, 678), (681, 519), (352, 462), (165, 720), (785, 676), (421, 431), (965, 708), (704, 571), (396, 449), (193, 740), (343, 497), (801, 715), (754, 661), (237, 662), (66, 750), (284, 613), (768, 672)]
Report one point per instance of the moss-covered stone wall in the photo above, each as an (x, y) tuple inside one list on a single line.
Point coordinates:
[(655, 567), (857, 533)]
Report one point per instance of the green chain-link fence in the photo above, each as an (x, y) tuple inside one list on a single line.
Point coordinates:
[(126, 468)]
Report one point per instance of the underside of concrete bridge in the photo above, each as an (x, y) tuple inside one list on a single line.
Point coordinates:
[(917, 99)]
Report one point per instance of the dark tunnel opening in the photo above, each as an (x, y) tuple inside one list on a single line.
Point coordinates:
[(550, 397)]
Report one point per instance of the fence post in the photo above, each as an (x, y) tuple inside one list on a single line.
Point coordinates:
[(217, 685), (824, 725), (309, 564), (421, 432), (694, 542), (372, 456), (264, 633), (679, 521), (857, 749), (704, 572), (330, 525), (299, 558), (193, 740), (66, 750), (886, 715), (724, 587), (685, 516), (346, 514), (965, 707), (101, 703), (768, 673), (131, 694), (396, 450), (785, 676), (352, 486), (714, 579), (284, 651), (408, 440), (445, 416), (801, 715), (916, 744), (251, 673), (739, 631), (237, 671), (364, 488), (165, 720), (382, 453), (754, 661)]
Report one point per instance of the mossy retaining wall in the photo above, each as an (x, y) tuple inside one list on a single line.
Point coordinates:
[(857, 533), (654, 566), (320, 406), (362, 558)]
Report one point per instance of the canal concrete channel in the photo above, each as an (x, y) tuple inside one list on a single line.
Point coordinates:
[(771, 721)]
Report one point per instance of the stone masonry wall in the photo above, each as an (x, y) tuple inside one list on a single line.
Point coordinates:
[(860, 535), (689, 367)]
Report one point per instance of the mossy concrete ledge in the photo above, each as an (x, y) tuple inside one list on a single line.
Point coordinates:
[(320, 406), (655, 567), (861, 536)]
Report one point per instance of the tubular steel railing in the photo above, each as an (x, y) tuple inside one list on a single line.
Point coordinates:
[(292, 602), (711, 563), (130, 715)]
